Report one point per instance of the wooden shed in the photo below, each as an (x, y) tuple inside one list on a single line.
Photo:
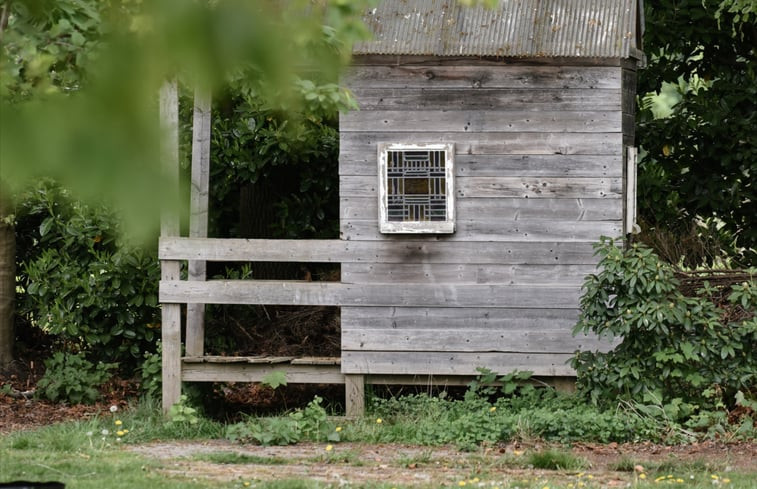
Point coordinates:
[(491, 150)]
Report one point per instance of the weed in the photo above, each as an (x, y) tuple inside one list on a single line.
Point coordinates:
[(414, 460), (71, 377), (556, 460), (309, 424), (234, 458), (182, 413)]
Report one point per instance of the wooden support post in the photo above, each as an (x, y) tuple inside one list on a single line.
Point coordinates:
[(198, 218), (354, 395), (169, 226)]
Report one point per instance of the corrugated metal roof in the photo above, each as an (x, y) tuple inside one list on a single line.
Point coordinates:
[(582, 28)]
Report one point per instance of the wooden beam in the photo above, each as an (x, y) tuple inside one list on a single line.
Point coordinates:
[(169, 226), (492, 230), (339, 294), (354, 395), (354, 145), (453, 363), (476, 77), (398, 319), (507, 187), (393, 250), (509, 165), (505, 209), (366, 273), (469, 340), (198, 217), (257, 372), (506, 99)]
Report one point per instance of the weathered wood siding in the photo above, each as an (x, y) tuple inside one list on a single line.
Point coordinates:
[(538, 179)]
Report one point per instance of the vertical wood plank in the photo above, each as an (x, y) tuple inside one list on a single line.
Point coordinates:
[(198, 219), (354, 395), (169, 226)]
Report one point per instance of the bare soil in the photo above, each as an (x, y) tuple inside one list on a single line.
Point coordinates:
[(357, 463)]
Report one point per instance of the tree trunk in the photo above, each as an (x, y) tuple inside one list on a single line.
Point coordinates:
[(7, 279)]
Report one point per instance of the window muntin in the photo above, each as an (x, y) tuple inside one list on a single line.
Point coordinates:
[(416, 188)]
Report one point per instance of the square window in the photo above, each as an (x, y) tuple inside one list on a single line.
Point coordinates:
[(416, 192)]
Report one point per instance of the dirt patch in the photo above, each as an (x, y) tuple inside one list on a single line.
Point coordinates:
[(414, 465)]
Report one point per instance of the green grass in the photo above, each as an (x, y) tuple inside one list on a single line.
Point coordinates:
[(556, 460), (81, 455), (234, 458), (84, 468)]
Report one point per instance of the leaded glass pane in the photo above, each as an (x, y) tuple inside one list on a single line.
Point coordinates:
[(416, 186)]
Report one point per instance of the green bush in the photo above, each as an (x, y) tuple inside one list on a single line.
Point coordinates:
[(72, 378), (81, 282), (683, 353)]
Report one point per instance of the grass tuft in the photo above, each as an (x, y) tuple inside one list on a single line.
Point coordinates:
[(235, 458), (556, 460)]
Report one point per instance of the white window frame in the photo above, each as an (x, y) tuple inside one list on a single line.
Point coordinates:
[(417, 227)]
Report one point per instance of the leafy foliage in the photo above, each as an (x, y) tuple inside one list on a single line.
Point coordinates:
[(538, 413), (699, 158), (72, 378), (84, 285), (681, 353), (63, 80), (183, 413), (309, 424), (287, 157), (150, 373)]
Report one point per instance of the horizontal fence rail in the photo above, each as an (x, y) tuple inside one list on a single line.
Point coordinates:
[(391, 250), (280, 292)]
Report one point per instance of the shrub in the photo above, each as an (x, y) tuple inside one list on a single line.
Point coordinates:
[(81, 281), (685, 353), (71, 377)]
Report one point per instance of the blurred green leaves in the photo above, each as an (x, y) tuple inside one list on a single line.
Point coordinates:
[(80, 80)]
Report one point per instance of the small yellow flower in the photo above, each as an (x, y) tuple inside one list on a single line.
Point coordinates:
[(570, 486), (338, 429), (461, 483), (379, 420), (246, 484), (679, 481), (474, 480), (642, 476), (118, 422), (580, 474), (120, 433), (517, 453), (492, 409), (581, 484), (726, 481), (714, 477), (589, 476), (126, 431), (545, 487), (329, 448)]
